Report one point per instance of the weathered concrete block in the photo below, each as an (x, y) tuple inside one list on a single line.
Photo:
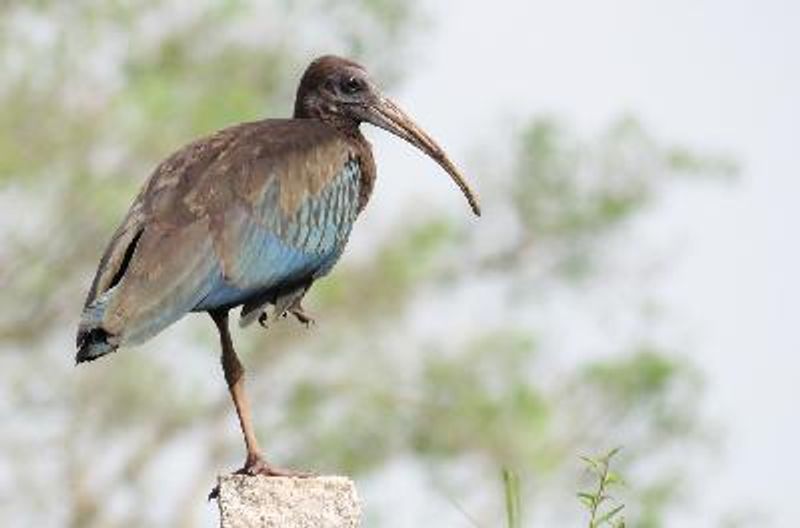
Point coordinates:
[(267, 502)]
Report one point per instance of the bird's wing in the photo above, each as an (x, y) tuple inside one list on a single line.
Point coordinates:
[(253, 207), (286, 214)]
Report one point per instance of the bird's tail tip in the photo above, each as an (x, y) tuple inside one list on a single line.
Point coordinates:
[(92, 344)]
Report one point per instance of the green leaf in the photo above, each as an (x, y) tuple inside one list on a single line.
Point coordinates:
[(587, 499), (613, 478), (608, 516), (591, 462)]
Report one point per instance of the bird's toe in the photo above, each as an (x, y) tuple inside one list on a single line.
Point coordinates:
[(260, 466), (302, 316)]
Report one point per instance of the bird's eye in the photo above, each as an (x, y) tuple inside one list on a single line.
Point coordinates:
[(352, 85)]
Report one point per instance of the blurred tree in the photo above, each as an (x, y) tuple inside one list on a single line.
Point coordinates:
[(95, 93)]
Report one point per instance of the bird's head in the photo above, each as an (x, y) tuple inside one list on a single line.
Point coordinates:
[(341, 92)]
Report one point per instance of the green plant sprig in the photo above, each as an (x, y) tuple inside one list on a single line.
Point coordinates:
[(602, 512)]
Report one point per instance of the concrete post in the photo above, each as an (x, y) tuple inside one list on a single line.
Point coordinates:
[(279, 502)]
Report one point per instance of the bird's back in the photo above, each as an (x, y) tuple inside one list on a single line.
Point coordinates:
[(247, 214)]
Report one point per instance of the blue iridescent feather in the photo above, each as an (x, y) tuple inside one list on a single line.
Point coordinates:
[(310, 244)]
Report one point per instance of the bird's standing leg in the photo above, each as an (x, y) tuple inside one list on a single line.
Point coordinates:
[(255, 464)]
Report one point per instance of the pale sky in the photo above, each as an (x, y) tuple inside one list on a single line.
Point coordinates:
[(721, 75)]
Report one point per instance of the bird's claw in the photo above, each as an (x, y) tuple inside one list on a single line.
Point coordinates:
[(295, 309), (302, 316), (297, 312)]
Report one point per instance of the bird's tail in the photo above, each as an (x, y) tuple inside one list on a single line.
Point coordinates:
[(92, 345), (93, 341)]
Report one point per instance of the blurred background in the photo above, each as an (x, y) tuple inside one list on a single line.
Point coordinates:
[(631, 283)]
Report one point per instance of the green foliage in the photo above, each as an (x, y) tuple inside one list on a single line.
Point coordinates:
[(483, 400), (639, 383), (571, 196), (603, 512), (644, 374)]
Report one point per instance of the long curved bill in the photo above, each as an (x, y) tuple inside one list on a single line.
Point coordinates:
[(387, 115)]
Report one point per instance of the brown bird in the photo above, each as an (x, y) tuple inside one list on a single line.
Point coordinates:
[(249, 216)]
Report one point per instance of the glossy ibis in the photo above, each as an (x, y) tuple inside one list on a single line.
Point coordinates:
[(249, 216)]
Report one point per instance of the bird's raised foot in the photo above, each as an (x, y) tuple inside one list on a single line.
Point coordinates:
[(258, 466)]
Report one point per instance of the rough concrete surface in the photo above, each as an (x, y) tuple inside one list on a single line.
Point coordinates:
[(266, 502)]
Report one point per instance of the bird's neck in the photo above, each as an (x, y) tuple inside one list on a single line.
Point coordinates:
[(308, 107), (349, 128)]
